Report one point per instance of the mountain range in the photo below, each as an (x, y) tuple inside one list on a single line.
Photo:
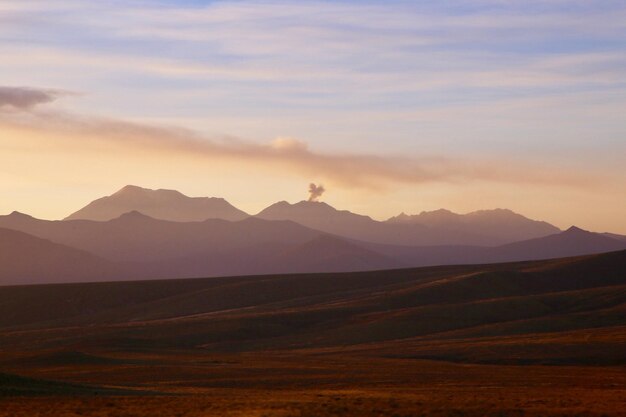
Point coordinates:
[(284, 238), (485, 227), (500, 224)]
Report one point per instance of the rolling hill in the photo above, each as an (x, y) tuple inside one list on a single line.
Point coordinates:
[(542, 338), (451, 313)]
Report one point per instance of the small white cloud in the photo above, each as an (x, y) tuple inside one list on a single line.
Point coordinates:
[(285, 144)]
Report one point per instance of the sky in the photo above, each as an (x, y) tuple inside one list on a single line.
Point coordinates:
[(394, 106)]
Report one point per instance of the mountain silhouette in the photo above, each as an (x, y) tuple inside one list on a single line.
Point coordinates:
[(304, 237), (615, 236), (323, 217), (572, 242), (440, 227), (26, 259), (500, 224), (138, 246), (136, 237), (143, 247), (160, 204)]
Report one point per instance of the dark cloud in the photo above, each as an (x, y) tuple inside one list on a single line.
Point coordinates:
[(26, 98)]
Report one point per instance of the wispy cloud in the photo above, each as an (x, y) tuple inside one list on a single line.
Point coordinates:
[(286, 61), (377, 94), (349, 169)]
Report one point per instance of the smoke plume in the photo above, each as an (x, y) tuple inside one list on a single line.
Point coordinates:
[(315, 191)]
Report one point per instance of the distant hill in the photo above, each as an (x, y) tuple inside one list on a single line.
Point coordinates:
[(138, 246), (142, 247), (26, 259), (615, 236), (135, 237), (160, 204), (500, 224), (572, 242)]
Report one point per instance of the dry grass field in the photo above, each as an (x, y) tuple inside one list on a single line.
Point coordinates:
[(322, 385), (528, 339)]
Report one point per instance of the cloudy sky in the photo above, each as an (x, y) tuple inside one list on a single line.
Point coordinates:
[(393, 106)]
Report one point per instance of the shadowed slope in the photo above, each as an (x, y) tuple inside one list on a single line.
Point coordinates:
[(330, 254), (27, 259), (572, 242), (373, 312), (14, 385), (615, 236)]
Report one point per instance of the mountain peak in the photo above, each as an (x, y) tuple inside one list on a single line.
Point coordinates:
[(162, 204), (497, 225), (133, 215), (301, 206), (438, 216), (131, 189), (134, 190), (313, 204), (441, 211), (305, 210), (496, 213), (574, 229), (18, 215)]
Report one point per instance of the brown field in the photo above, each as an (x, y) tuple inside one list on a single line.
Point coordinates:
[(527, 339)]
